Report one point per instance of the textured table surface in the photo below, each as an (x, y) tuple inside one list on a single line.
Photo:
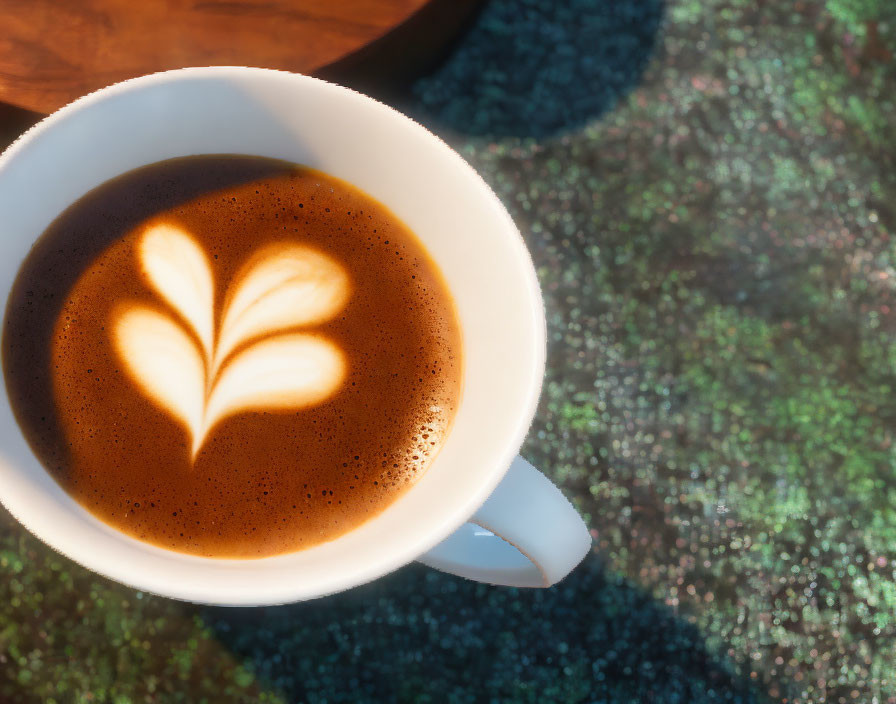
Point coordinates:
[(54, 51), (708, 191)]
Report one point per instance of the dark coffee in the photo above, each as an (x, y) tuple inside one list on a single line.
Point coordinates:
[(232, 356)]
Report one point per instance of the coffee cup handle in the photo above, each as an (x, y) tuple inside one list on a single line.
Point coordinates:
[(526, 534)]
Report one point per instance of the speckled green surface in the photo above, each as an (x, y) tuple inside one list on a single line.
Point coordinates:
[(718, 260)]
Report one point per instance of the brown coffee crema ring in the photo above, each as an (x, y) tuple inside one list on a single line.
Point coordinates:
[(153, 372)]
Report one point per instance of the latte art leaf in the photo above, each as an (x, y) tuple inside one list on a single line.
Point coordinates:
[(179, 270), (257, 361), (287, 371), (164, 360), (281, 287)]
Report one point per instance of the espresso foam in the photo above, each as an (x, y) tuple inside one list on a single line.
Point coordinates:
[(149, 341)]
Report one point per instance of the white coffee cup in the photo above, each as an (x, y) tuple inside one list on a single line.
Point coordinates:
[(476, 490)]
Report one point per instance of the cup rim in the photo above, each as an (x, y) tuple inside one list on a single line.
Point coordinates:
[(411, 549)]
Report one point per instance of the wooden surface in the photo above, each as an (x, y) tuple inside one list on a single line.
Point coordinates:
[(53, 51)]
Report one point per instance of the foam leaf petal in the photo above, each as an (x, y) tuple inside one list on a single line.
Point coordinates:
[(164, 360), (281, 287), (180, 271), (286, 371)]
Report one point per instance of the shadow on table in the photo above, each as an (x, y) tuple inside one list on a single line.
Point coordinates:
[(526, 68), (531, 68), (418, 635), (13, 122)]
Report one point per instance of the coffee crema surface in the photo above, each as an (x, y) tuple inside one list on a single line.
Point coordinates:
[(232, 356)]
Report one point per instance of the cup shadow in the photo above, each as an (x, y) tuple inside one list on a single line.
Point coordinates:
[(529, 68), (419, 635)]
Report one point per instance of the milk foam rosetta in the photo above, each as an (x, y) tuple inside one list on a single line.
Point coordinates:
[(252, 362)]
